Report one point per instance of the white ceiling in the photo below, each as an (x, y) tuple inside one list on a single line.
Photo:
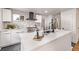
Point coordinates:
[(42, 10)]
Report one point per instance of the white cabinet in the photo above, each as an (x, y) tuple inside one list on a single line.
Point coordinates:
[(9, 38), (68, 19), (69, 22), (0, 18), (0, 15), (5, 39), (7, 15), (15, 38), (77, 23)]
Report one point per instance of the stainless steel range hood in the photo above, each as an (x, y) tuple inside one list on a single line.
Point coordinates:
[(31, 16)]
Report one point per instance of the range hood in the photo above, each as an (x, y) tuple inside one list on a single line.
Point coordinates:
[(31, 16)]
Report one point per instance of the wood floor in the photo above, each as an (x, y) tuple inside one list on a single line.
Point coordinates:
[(76, 47)]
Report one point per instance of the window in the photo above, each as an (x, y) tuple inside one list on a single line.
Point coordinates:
[(16, 17), (39, 18)]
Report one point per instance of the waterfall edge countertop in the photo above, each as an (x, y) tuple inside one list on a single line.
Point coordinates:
[(28, 44)]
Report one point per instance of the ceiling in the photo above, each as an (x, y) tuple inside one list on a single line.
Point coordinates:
[(44, 11)]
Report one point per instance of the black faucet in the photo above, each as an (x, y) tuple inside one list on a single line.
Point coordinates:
[(37, 32)]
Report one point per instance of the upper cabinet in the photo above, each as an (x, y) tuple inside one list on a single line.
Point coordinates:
[(1, 19), (7, 15), (0, 14)]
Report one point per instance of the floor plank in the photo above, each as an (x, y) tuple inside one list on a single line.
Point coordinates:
[(76, 47)]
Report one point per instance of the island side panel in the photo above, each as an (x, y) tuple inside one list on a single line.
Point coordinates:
[(60, 44)]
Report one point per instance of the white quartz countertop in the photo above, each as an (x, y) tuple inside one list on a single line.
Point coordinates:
[(13, 30), (29, 44)]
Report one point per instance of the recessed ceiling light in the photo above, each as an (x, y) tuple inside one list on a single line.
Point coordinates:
[(46, 11)]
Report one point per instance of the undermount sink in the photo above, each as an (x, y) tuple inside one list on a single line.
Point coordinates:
[(48, 31)]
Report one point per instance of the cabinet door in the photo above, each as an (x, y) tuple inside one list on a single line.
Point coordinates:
[(4, 39), (7, 15), (8, 38), (67, 18), (0, 18), (77, 24), (0, 14), (15, 38)]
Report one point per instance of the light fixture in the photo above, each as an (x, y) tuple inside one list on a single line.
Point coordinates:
[(46, 11)]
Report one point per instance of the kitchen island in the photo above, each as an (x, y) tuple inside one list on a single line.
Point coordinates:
[(57, 41)]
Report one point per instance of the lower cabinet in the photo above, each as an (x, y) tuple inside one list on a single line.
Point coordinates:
[(4, 39), (9, 38)]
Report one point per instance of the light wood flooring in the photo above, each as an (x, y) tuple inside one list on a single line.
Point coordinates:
[(76, 47)]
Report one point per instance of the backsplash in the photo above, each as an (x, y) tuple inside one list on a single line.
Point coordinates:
[(25, 24)]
